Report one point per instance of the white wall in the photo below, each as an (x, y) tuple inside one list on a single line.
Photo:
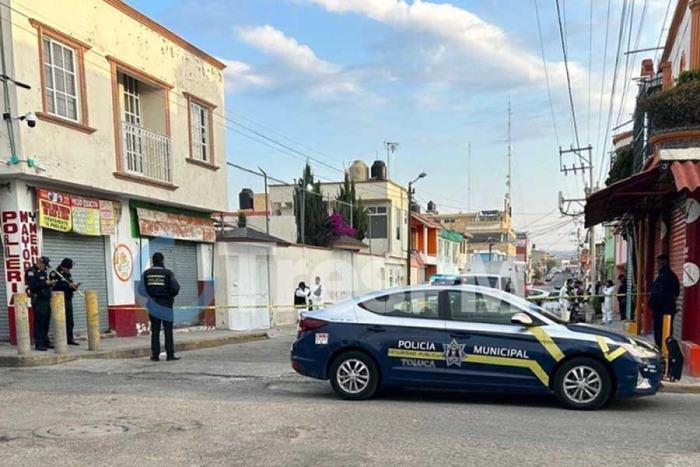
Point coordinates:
[(681, 46)]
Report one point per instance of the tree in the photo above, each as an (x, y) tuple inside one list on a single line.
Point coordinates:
[(310, 210), (242, 220), (351, 208), (551, 264)]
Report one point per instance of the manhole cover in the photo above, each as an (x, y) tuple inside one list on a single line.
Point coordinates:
[(96, 430)]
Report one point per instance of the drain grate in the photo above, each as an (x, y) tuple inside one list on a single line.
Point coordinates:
[(97, 430)]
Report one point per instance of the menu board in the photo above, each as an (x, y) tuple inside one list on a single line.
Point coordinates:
[(107, 221), (54, 210), (86, 215)]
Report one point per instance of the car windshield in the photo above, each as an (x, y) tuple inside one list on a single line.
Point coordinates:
[(484, 281)]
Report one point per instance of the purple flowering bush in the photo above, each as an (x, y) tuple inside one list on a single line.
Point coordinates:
[(339, 227)]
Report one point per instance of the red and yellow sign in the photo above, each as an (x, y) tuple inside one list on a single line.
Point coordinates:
[(86, 215), (107, 222), (54, 210)]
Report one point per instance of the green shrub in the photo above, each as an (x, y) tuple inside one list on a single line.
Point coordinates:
[(677, 107), (622, 168), (689, 76)]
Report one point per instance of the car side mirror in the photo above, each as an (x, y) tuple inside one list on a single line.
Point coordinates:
[(521, 318)]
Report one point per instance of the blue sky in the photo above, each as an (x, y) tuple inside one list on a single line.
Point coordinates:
[(334, 79)]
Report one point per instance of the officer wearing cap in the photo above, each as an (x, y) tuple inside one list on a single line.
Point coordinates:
[(161, 287), (39, 283), (64, 283)]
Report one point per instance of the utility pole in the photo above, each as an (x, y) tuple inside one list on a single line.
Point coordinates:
[(410, 237), (508, 176), (303, 215), (586, 163), (267, 203), (469, 178)]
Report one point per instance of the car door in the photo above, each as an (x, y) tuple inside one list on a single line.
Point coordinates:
[(406, 332), (488, 352)]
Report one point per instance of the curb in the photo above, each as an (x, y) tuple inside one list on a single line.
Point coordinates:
[(28, 361), (676, 388)]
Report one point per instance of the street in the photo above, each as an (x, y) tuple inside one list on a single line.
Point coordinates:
[(243, 405)]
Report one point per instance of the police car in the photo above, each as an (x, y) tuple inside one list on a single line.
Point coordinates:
[(474, 338)]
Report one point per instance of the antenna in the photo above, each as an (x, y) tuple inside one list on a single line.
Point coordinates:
[(469, 178), (391, 148), (508, 177)]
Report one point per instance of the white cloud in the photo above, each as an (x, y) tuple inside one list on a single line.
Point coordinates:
[(240, 76)]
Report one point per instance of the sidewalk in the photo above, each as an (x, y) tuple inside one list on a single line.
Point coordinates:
[(135, 347), (686, 385)]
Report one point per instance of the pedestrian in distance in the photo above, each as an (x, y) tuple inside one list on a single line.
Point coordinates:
[(40, 285), (608, 292), (318, 294), (301, 296), (161, 287), (622, 297), (664, 292), (64, 283), (564, 301)]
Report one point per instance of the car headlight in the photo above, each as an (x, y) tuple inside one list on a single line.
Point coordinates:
[(638, 351)]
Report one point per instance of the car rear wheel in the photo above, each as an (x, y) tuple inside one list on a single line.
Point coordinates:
[(354, 376), (583, 384)]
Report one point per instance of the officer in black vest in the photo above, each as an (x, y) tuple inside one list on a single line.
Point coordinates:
[(65, 284), (40, 285), (161, 287)]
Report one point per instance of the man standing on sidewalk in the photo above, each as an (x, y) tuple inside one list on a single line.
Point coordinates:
[(37, 279), (64, 283), (161, 287), (622, 298), (664, 293), (318, 294)]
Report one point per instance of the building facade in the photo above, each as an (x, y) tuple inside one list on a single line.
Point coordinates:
[(128, 148), (657, 206)]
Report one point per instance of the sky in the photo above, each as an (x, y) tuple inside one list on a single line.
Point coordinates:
[(332, 80)]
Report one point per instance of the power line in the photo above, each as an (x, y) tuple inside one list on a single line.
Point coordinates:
[(546, 75), (663, 28), (590, 63), (568, 75), (620, 39), (602, 79)]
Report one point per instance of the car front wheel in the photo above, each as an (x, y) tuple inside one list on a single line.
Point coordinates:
[(354, 376), (583, 384)]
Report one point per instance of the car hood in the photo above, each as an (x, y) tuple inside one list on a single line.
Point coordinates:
[(617, 336)]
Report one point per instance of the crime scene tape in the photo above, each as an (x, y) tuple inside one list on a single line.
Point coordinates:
[(553, 298)]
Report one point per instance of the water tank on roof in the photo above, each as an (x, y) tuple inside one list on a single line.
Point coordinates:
[(358, 171), (415, 207), (245, 199), (379, 170), (431, 207)]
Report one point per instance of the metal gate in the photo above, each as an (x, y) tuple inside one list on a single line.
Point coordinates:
[(181, 259), (676, 252), (89, 269), (4, 318)]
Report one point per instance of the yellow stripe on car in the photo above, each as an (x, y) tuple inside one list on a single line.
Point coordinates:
[(609, 355), (548, 343), (512, 362)]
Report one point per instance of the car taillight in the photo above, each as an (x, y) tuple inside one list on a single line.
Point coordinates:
[(309, 324)]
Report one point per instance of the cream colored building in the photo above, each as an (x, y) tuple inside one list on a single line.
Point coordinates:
[(127, 113)]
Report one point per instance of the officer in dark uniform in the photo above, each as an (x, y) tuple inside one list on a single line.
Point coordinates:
[(65, 284), (161, 287), (39, 283), (664, 292)]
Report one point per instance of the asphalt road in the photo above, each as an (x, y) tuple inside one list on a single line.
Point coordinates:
[(242, 405)]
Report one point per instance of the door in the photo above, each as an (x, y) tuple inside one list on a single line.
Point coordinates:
[(493, 353), (181, 259), (405, 332), (249, 289), (89, 269)]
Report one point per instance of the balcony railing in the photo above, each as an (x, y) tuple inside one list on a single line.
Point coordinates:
[(146, 153)]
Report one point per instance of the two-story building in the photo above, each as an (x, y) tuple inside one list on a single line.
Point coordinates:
[(492, 234), (128, 147)]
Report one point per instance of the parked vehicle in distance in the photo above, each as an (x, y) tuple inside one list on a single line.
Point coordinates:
[(547, 299), (473, 338), (508, 276)]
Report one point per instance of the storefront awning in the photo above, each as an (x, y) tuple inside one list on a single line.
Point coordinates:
[(686, 175), (624, 197)]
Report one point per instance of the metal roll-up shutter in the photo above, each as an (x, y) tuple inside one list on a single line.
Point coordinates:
[(89, 269), (4, 317), (676, 252), (181, 259)]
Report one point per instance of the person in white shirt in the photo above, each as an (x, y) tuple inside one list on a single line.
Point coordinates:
[(318, 294), (608, 293), (564, 303)]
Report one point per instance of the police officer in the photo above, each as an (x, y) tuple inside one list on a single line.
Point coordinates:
[(39, 283), (161, 287), (664, 292), (65, 284)]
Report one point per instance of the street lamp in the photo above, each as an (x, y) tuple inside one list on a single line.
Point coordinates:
[(410, 236), (308, 187)]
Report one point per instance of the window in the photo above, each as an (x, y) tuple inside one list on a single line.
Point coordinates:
[(200, 132), (60, 80), (475, 307), (201, 116), (397, 216), (418, 304), (378, 222)]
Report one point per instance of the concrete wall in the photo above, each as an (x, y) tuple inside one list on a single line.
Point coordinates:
[(89, 160), (681, 46)]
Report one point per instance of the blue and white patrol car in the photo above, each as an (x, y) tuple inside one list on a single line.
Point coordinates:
[(474, 338)]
